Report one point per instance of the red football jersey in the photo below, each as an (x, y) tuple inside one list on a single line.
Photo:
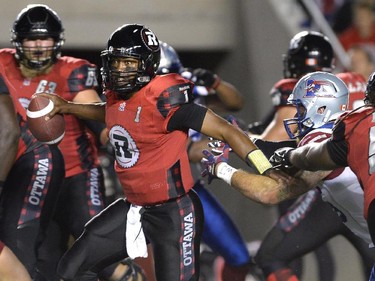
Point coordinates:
[(358, 129), (281, 91), (67, 77), (27, 141), (152, 163), (356, 84)]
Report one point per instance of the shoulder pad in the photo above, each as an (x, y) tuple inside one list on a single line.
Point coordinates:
[(174, 96)]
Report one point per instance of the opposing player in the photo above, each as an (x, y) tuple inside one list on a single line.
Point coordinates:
[(308, 51), (353, 130), (318, 98)]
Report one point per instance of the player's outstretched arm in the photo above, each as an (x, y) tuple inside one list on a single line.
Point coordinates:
[(312, 157), (220, 129)]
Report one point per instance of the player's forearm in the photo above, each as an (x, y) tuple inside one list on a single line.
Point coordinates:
[(93, 111), (268, 190)]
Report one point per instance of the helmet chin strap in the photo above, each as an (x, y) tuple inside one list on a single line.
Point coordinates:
[(31, 72)]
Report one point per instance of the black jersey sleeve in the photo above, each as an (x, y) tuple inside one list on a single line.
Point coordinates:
[(338, 152), (337, 146), (188, 116)]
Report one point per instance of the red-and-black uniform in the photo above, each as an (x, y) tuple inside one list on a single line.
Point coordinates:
[(31, 189), (149, 132), (81, 196), (352, 145)]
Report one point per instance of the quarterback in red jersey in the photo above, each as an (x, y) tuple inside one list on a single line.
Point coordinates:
[(148, 118), (34, 66)]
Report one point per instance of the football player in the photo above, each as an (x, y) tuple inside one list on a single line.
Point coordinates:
[(319, 98), (35, 65), (148, 118)]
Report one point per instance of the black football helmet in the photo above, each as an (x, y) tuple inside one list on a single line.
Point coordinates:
[(370, 90), (169, 60), (33, 22), (130, 41), (308, 51)]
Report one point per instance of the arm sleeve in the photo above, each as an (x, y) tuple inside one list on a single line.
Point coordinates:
[(338, 151), (269, 147), (188, 116), (337, 146)]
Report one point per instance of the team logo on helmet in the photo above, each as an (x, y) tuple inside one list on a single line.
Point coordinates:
[(315, 88), (149, 39)]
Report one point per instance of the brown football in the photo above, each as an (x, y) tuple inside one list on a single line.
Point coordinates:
[(49, 131)]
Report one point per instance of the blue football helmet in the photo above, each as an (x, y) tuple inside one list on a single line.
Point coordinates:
[(319, 97)]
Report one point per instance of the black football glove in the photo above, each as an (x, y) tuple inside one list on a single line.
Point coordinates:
[(280, 158), (206, 78)]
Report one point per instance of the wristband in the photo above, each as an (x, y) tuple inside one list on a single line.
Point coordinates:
[(225, 172), (258, 160)]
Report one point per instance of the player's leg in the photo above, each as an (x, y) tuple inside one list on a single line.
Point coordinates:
[(174, 230), (23, 222), (11, 268), (308, 224), (366, 253), (102, 243)]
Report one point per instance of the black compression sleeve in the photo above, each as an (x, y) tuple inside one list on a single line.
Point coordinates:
[(269, 147), (189, 115), (338, 151)]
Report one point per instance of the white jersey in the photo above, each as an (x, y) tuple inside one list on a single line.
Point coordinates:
[(346, 195), (342, 190)]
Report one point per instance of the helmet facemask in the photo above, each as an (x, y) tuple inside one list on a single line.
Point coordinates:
[(37, 57), (37, 22), (123, 81), (299, 125)]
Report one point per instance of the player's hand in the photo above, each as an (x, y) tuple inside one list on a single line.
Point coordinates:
[(206, 78), (280, 158), (58, 102), (210, 161)]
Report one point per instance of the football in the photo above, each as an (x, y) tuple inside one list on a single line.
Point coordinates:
[(49, 131)]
